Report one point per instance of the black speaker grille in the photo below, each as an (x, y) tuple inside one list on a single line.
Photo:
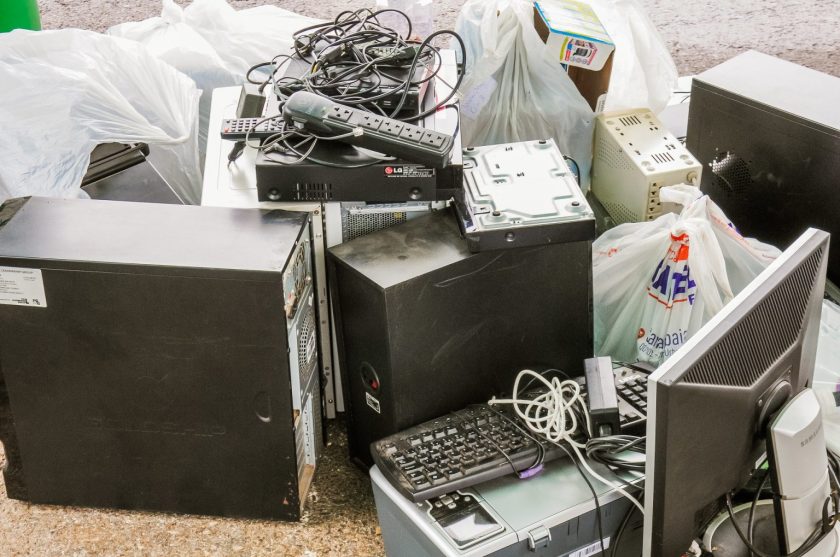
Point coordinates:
[(731, 173), (760, 339)]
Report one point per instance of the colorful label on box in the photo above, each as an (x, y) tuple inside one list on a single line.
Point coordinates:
[(575, 34), (578, 52)]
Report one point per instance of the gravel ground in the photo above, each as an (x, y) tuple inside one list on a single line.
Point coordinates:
[(700, 33), (340, 518), (339, 521)]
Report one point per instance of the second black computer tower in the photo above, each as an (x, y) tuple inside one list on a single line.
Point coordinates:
[(425, 327), (158, 357), (768, 133)]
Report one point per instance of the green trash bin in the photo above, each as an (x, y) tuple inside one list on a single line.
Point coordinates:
[(19, 14)]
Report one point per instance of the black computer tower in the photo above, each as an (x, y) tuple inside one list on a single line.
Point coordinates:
[(158, 357), (768, 134), (425, 327)]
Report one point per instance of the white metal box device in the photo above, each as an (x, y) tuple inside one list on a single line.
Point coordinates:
[(635, 156)]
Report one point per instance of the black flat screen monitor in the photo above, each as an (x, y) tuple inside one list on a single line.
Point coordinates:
[(709, 404)]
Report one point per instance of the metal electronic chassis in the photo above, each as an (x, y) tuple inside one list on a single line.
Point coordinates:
[(521, 194), (302, 325)]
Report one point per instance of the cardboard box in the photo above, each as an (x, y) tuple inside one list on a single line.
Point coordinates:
[(579, 42)]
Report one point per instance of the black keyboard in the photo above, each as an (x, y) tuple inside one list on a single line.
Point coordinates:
[(468, 447)]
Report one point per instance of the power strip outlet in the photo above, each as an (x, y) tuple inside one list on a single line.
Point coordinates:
[(408, 142)]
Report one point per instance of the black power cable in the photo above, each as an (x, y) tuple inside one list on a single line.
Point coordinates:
[(357, 61)]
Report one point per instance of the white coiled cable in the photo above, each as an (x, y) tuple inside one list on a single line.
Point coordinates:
[(552, 416)]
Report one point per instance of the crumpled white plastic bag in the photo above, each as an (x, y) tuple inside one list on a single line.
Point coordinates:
[(66, 91), (214, 44), (513, 90), (656, 283), (643, 72)]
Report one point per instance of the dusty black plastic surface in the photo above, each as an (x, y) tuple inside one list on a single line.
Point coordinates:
[(443, 328), (157, 375)]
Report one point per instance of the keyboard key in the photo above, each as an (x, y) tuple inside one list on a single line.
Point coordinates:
[(453, 473), (436, 478), (420, 483)]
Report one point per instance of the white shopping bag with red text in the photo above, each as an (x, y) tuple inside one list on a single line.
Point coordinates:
[(656, 283)]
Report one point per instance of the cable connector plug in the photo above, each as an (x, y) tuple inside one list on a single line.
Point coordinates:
[(332, 53), (358, 132)]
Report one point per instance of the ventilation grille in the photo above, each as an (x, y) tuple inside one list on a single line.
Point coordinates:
[(662, 158), (361, 224), (619, 212), (307, 346), (630, 120), (612, 156), (760, 338), (732, 173), (313, 191)]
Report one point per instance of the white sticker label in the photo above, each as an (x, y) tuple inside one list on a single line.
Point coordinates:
[(22, 287), (373, 403), (590, 549), (477, 98)]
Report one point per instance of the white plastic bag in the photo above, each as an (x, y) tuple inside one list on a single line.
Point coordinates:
[(656, 283), (67, 91), (214, 44), (513, 90), (643, 72), (421, 13)]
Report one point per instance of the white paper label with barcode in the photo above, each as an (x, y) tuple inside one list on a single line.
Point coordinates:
[(590, 549), (22, 287)]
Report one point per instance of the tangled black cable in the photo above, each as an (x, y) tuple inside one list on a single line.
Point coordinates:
[(357, 61), (612, 451), (822, 530)]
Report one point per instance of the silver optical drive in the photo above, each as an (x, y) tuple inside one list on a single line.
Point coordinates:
[(521, 194)]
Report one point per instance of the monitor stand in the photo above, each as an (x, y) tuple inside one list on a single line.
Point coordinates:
[(723, 541), (799, 477)]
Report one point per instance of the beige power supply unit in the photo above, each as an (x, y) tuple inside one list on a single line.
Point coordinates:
[(634, 157)]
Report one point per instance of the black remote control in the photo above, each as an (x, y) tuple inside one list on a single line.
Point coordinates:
[(237, 129), (320, 115)]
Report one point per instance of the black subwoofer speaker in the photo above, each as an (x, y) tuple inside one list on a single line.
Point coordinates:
[(425, 327)]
